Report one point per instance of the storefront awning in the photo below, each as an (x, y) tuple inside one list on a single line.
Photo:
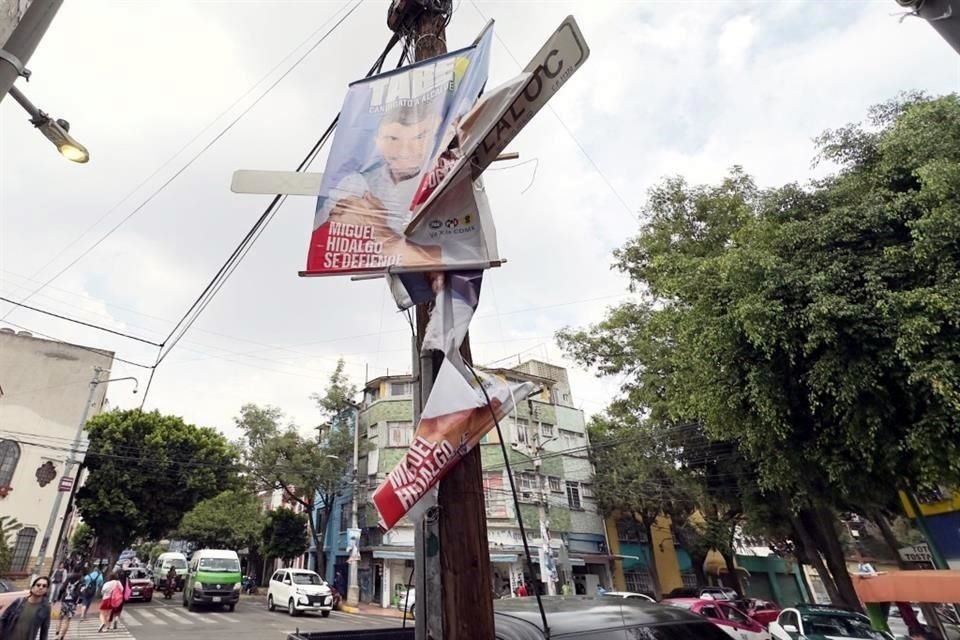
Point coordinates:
[(595, 558), (389, 554)]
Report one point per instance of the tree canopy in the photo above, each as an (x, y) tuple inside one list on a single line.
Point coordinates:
[(310, 471), (285, 534), (232, 520), (146, 471), (814, 327)]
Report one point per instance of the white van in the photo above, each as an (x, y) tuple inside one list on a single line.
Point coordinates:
[(161, 566)]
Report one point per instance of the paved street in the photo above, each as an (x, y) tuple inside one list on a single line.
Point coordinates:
[(164, 620)]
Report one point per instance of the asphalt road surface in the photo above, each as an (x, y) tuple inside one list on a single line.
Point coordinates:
[(169, 620)]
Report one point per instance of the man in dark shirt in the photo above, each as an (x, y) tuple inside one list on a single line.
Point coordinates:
[(28, 618)]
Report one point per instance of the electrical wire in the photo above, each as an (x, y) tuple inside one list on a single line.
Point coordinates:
[(236, 257), (80, 322), (516, 500), (195, 157)]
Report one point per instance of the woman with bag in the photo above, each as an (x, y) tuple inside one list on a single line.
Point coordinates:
[(127, 591), (112, 593), (28, 618)]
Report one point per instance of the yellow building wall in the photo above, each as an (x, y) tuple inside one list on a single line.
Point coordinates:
[(664, 554)]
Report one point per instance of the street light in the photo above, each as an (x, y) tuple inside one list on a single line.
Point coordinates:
[(56, 131)]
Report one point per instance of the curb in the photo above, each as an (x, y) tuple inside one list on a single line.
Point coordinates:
[(348, 609)]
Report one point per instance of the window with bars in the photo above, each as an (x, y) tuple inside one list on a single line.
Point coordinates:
[(639, 582), (346, 515), (555, 485), (573, 495), (399, 434), (22, 548), (9, 457), (546, 430)]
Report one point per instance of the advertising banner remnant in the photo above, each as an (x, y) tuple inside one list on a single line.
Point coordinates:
[(504, 111), (398, 134), (454, 420)]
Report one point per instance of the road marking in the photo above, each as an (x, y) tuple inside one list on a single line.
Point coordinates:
[(204, 618), (152, 619), (174, 617), (130, 620), (223, 616)]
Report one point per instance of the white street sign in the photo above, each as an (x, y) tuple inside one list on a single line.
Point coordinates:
[(289, 183), (499, 116)]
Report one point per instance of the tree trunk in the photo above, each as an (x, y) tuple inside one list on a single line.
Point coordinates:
[(809, 548), (648, 526), (733, 575), (889, 537), (824, 532)]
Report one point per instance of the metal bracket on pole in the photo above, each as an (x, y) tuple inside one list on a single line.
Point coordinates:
[(14, 61)]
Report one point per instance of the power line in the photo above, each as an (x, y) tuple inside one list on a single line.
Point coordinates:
[(195, 157), (80, 322), (101, 352)]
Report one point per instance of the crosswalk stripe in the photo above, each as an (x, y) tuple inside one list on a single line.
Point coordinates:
[(173, 616), (152, 619), (223, 616), (130, 620), (204, 618)]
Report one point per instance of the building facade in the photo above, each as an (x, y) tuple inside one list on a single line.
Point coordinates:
[(44, 386), (548, 449)]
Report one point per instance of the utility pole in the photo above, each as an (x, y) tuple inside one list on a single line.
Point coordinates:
[(19, 47), (460, 525), (542, 513), (353, 584)]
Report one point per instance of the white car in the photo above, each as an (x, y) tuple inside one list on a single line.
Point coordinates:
[(299, 590), (628, 595)]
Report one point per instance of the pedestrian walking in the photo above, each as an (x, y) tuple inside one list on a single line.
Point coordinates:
[(58, 577), (522, 590), (127, 592), (28, 618), (70, 596), (92, 584), (112, 596)]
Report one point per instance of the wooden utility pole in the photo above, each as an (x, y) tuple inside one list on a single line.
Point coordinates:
[(461, 526)]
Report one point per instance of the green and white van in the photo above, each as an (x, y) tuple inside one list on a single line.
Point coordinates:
[(213, 578)]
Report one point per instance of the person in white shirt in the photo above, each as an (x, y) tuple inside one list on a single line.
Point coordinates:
[(106, 604)]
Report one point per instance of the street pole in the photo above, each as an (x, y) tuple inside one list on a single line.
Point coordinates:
[(943, 16), (462, 608), (21, 44), (67, 470), (353, 582), (542, 513)]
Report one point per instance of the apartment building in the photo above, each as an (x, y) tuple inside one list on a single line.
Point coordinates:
[(548, 449)]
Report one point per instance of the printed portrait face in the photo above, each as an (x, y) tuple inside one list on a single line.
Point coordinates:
[(405, 138)]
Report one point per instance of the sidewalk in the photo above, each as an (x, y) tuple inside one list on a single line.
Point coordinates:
[(373, 610)]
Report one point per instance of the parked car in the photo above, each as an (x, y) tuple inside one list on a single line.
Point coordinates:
[(734, 622), (628, 595), (10, 592), (703, 593), (141, 585), (762, 611), (299, 590), (817, 622), (408, 599), (598, 618)]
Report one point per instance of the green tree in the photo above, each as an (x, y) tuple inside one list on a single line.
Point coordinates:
[(146, 471), (231, 519), (285, 534), (815, 327), (82, 540), (310, 472)]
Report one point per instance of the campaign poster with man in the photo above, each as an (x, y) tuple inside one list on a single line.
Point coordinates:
[(397, 135)]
